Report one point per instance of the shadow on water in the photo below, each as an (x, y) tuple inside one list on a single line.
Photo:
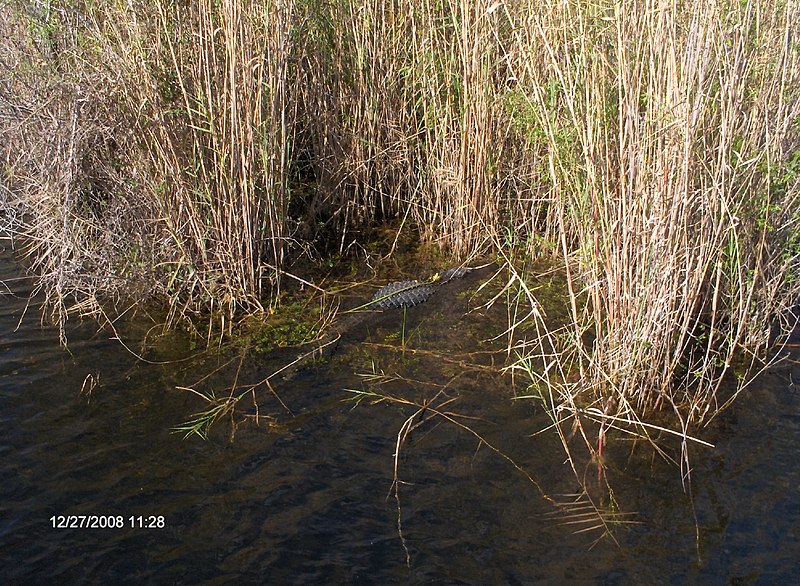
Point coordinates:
[(307, 498)]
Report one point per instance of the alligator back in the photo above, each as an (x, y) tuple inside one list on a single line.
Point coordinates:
[(402, 294), (454, 273)]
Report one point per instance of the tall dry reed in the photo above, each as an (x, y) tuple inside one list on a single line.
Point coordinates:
[(216, 136), (673, 147), (150, 144), (401, 114)]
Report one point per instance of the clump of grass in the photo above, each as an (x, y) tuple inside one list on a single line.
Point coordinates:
[(148, 147), (402, 119), (202, 421), (672, 143)]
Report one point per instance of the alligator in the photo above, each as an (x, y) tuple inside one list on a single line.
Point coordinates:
[(395, 295), (399, 294), (410, 293)]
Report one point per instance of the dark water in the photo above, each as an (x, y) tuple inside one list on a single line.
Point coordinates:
[(304, 500)]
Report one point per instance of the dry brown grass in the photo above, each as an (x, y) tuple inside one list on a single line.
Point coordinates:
[(673, 147), (149, 147)]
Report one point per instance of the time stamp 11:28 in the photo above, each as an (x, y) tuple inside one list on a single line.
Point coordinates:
[(107, 522)]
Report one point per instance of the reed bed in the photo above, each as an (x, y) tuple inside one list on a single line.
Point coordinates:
[(187, 151), (149, 145), (672, 157)]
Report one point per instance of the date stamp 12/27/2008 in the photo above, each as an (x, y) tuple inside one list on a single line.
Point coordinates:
[(107, 522)]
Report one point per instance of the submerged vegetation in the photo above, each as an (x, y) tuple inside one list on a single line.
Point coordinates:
[(191, 152)]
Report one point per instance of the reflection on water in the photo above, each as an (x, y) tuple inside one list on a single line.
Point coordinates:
[(308, 500)]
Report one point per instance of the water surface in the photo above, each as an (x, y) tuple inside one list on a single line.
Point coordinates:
[(307, 497)]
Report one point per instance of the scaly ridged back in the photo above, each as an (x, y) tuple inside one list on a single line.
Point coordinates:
[(402, 294), (410, 293)]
